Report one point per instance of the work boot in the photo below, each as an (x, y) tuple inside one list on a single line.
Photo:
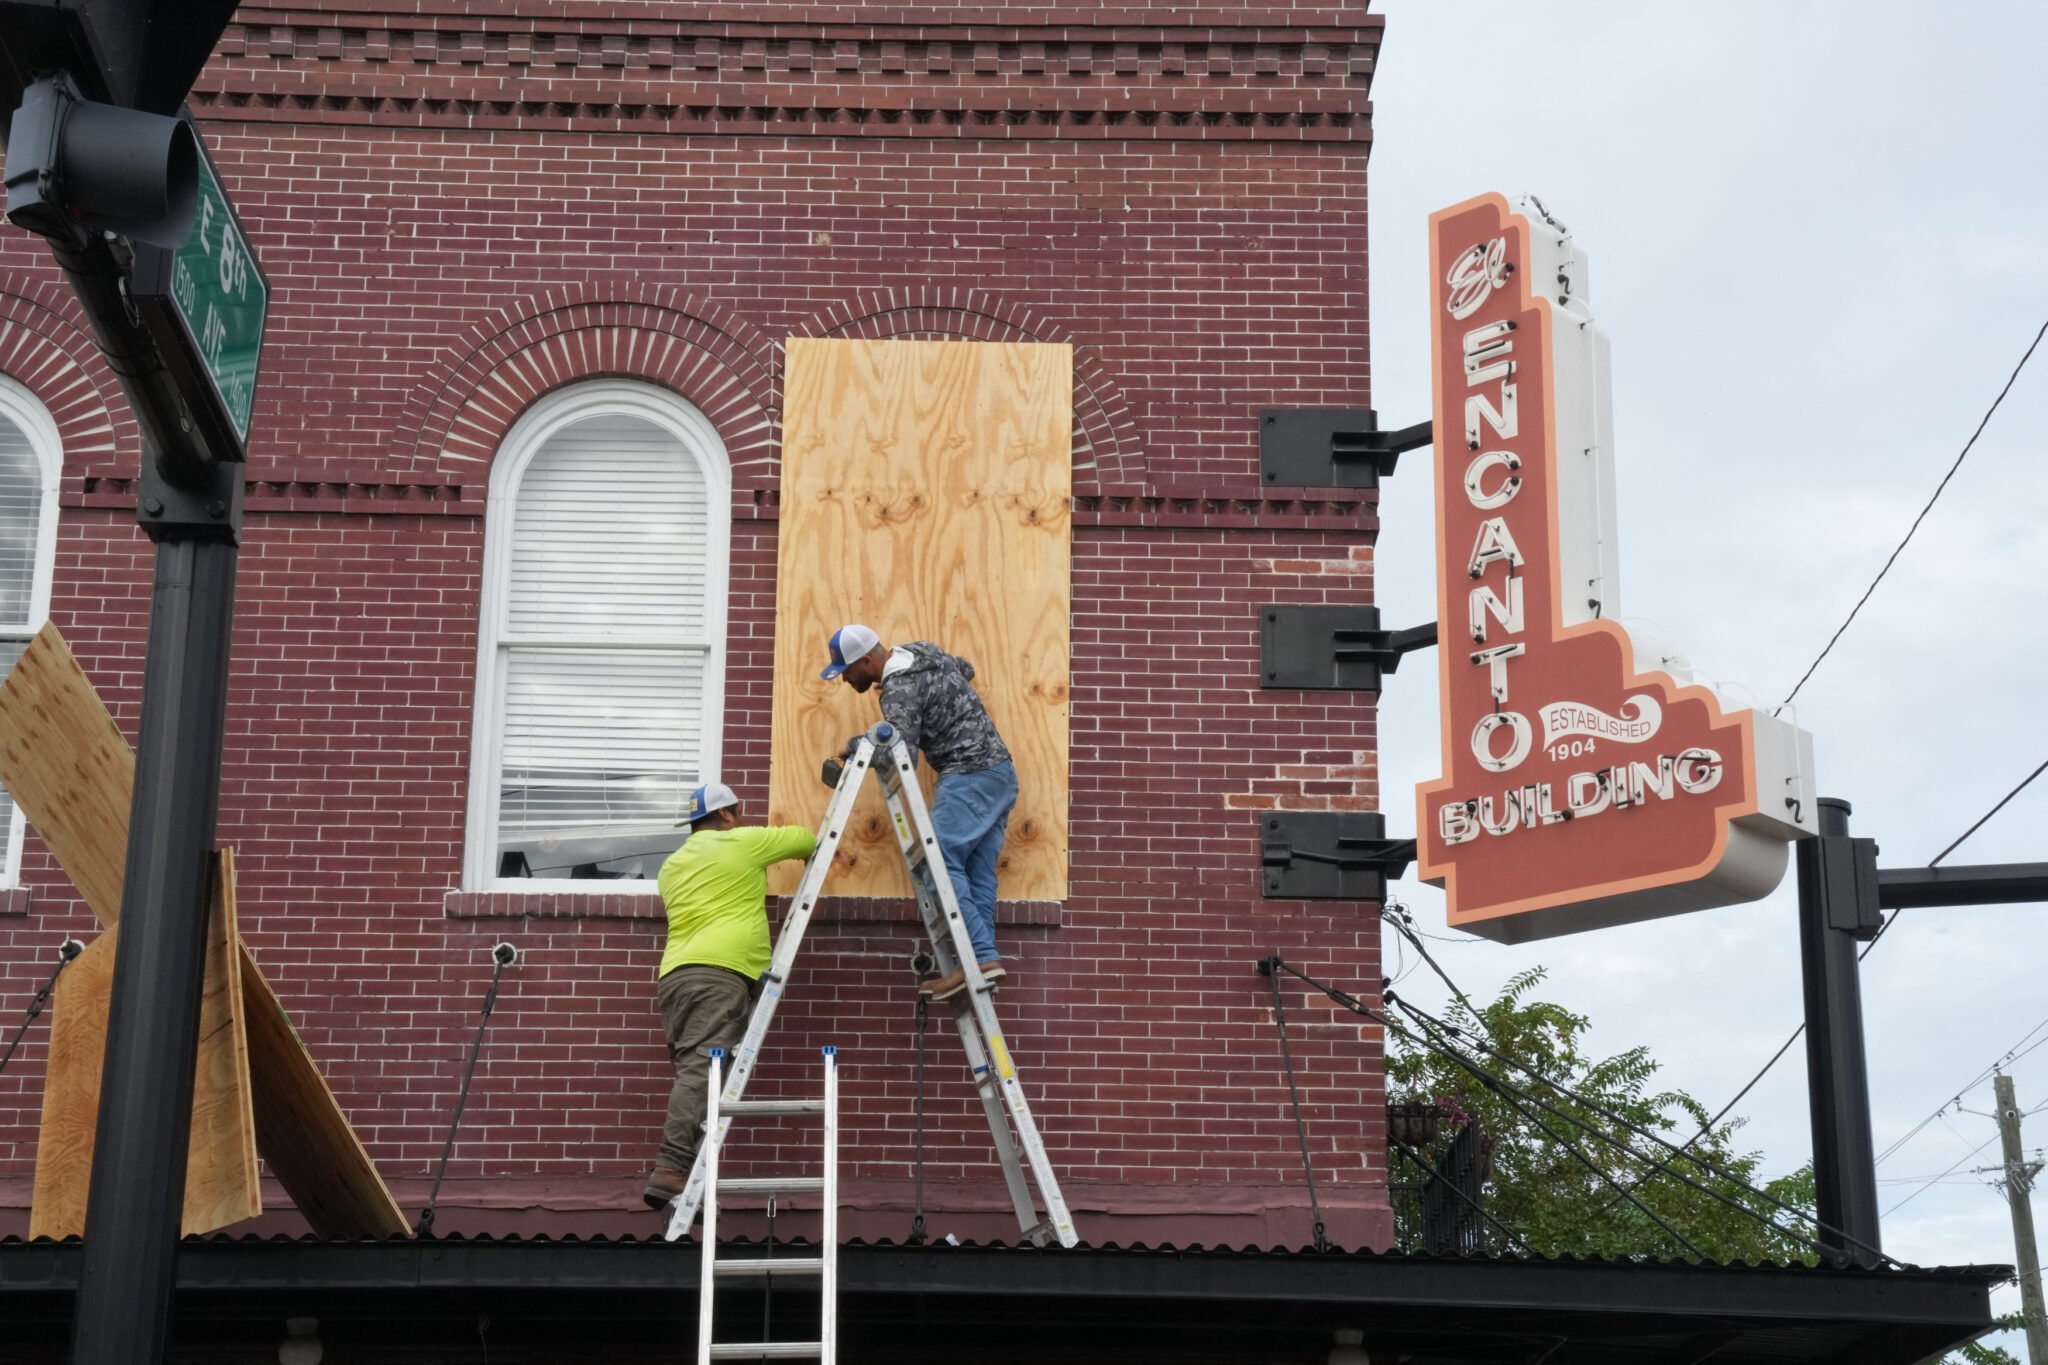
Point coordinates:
[(664, 1184), (944, 987)]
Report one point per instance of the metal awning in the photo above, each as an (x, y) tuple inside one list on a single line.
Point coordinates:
[(997, 1303)]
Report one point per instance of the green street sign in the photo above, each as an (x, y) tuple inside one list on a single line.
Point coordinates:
[(205, 302), (222, 297)]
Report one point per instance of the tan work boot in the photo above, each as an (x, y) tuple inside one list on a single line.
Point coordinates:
[(664, 1184), (951, 984)]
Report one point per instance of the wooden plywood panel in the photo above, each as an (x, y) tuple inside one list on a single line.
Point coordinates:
[(220, 1168), (302, 1132), (73, 775), (926, 491), (71, 1092), (69, 768)]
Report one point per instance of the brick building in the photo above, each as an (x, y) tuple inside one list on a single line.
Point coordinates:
[(544, 237)]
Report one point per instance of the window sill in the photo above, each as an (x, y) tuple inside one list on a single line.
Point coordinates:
[(14, 900), (582, 905)]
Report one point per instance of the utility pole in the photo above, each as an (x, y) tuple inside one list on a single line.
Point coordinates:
[(2019, 1187), (102, 162)]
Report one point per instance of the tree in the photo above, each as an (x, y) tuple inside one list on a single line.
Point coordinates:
[(1537, 1186)]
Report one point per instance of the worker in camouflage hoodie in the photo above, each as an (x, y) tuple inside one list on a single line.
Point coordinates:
[(925, 695)]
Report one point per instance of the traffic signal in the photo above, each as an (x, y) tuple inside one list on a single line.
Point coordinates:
[(76, 168)]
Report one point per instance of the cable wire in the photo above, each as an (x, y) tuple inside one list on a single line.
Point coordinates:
[(68, 950), (1967, 445), (2011, 1055), (1929, 1184), (1505, 1089), (1300, 1125), (1428, 1021), (504, 955), (1989, 813), (1889, 920)]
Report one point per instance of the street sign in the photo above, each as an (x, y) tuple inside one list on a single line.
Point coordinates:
[(205, 302)]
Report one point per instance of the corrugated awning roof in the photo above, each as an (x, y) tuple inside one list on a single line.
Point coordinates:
[(1002, 1302)]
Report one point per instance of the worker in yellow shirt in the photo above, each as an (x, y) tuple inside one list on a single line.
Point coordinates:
[(716, 889)]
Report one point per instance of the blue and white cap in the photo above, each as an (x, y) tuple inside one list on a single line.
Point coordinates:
[(847, 644), (712, 796)]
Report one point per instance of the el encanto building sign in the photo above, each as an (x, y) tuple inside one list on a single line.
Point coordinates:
[(1588, 781)]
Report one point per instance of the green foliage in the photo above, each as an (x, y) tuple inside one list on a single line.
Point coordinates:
[(1539, 1189), (1977, 1353)]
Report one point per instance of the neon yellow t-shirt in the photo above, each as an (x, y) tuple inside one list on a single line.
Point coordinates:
[(716, 889)]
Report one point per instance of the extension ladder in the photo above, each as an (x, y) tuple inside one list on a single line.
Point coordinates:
[(825, 1265), (981, 1035)]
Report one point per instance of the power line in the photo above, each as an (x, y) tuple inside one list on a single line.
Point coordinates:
[(1929, 1184), (1935, 861), (1430, 1022), (1510, 1093), (1985, 421), (1989, 813), (2010, 1055)]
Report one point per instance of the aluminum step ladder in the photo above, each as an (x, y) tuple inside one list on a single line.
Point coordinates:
[(990, 1065), (823, 1267)]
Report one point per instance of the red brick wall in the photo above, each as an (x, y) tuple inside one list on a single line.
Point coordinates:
[(459, 214)]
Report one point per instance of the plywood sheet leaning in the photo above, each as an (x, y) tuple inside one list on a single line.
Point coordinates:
[(69, 768), (72, 773), (926, 491), (220, 1167)]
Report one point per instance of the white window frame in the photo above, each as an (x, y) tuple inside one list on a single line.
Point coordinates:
[(22, 408), (701, 442)]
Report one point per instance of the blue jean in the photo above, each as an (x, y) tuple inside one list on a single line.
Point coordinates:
[(970, 814)]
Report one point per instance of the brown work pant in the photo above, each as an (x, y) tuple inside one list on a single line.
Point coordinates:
[(701, 1008)]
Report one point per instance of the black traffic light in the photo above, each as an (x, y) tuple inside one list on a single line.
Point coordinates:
[(76, 168), (138, 54)]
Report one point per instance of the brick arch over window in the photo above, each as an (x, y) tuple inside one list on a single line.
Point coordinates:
[(1108, 454), (459, 415), (45, 348)]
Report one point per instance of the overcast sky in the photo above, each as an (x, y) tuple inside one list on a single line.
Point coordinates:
[(1817, 238)]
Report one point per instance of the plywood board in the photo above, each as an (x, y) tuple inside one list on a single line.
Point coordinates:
[(220, 1169), (73, 775), (69, 768), (926, 491), (302, 1132)]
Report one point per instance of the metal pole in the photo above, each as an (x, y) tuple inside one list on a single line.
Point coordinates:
[(136, 1204), (2019, 1189), (1831, 919)]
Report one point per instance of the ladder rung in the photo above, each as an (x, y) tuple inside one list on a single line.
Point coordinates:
[(767, 1350), (770, 1265), (731, 1107), (773, 1184)]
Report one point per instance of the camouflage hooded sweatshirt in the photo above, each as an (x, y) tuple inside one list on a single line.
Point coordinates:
[(933, 708)]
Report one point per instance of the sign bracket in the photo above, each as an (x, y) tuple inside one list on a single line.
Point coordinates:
[(1332, 447)]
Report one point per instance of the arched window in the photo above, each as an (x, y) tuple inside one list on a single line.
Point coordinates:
[(30, 460), (601, 676)]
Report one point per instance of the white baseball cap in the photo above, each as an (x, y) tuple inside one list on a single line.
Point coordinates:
[(712, 796), (847, 644)]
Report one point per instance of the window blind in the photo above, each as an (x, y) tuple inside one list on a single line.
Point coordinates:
[(604, 651), (21, 510)]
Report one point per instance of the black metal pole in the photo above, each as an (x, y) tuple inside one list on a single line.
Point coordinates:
[(135, 1211), (1838, 908)]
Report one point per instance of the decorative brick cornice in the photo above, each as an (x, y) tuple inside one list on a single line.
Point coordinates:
[(304, 497), (45, 347), (1210, 512), (1108, 451), (1085, 78)]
